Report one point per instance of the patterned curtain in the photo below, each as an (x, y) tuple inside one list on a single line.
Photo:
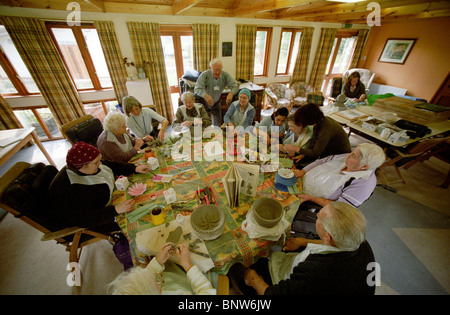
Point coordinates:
[(113, 58), (301, 64), (206, 44), (7, 118), (148, 53), (245, 51), (322, 55), (359, 47), (46, 67)]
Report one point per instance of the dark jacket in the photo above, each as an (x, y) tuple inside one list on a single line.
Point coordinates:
[(84, 205), (335, 273), (329, 138)]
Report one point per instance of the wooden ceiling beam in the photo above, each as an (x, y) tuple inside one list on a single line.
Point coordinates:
[(183, 5), (250, 7)]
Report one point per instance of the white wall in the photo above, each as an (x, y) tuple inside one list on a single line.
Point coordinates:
[(227, 33)]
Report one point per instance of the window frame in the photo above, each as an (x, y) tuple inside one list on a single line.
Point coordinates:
[(339, 36), (176, 31), (82, 46), (269, 31), (293, 32)]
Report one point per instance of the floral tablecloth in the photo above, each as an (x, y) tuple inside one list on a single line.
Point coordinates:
[(233, 245)]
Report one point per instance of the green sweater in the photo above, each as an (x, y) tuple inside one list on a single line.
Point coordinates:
[(329, 138)]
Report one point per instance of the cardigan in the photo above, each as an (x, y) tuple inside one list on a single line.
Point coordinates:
[(334, 273), (329, 138), (85, 205)]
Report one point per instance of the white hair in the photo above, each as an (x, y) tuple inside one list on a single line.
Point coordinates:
[(345, 224), (214, 61), (113, 120), (187, 95), (135, 281), (371, 155)]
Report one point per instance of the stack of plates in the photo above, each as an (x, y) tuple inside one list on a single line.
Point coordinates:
[(284, 178)]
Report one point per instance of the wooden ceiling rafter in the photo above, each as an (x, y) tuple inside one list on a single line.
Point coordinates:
[(294, 10)]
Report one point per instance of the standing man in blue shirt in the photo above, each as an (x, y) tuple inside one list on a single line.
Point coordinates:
[(209, 87)]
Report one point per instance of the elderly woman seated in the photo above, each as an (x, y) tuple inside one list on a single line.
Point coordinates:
[(114, 142), (161, 276), (191, 114), (240, 112), (82, 190), (139, 119), (345, 177)]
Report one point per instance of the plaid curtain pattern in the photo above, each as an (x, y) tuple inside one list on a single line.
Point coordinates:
[(206, 45), (245, 51), (301, 63), (322, 55), (113, 56), (148, 52), (7, 118), (46, 67), (359, 47)]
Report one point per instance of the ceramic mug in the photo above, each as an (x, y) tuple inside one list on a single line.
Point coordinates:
[(157, 216)]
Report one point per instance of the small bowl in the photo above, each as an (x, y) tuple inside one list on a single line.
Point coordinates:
[(208, 222), (267, 212)]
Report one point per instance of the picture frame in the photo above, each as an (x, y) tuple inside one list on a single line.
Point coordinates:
[(227, 49), (396, 50)]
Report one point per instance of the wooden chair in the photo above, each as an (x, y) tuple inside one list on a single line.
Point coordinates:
[(397, 157), (85, 128), (73, 238)]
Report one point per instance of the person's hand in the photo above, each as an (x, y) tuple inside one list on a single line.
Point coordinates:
[(148, 138), (125, 206), (250, 275), (299, 173), (161, 135), (298, 158), (183, 256), (187, 123), (209, 100), (290, 148), (305, 197), (164, 254), (294, 243), (138, 144), (229, 99), (142, 169)]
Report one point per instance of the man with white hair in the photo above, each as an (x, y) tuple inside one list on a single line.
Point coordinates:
[(210, 85), (336, 264), (345, 177)]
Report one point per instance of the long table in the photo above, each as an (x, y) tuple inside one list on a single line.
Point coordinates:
[(234, 245), (435, 127)]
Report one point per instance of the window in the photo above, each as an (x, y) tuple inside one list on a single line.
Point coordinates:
[(14, 75), (262, 48), (289, 44), (83, 55), (340, 57), (177, 43)]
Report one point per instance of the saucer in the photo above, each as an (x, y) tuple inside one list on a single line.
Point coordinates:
[(285, 181)]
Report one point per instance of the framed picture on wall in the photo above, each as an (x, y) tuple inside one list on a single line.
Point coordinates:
[(227, 49), (396, 50)]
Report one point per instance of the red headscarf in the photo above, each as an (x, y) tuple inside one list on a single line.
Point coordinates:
[(81, 153)]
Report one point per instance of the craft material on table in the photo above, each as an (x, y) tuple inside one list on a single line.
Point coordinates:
[(188, 178)]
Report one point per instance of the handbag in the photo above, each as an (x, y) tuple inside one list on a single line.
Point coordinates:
[(304, 223)]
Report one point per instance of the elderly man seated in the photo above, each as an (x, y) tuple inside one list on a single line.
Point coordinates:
[(335, 264), (345, 177)]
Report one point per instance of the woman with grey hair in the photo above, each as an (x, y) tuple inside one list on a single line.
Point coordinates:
[(345, 177), (161, 276), (338, 263), (190, 113), (114, 142), (140, 120)]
